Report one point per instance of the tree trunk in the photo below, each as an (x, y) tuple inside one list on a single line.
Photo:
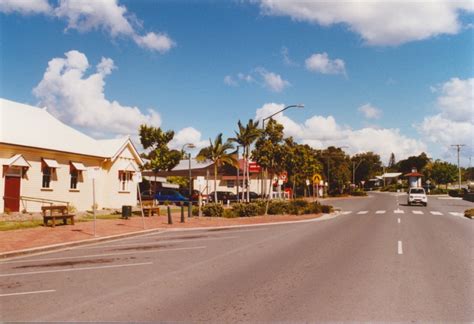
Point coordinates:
[(269, 192), (215, 183), (247, 167)]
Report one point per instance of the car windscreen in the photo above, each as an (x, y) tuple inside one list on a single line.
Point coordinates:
[(417, 191)]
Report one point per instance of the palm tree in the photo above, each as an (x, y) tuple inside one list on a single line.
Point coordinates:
[(217, 153), (245, 136)]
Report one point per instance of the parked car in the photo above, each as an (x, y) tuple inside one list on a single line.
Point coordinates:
[(194, 196), (147, 195), (253, 196), (417, 196), (169, 195), (224, 196)]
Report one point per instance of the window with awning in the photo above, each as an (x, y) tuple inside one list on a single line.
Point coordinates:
[(51, 163), (48, 166), (75, 172)]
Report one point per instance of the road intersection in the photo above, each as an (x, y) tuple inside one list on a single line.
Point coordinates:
[(387, 263)]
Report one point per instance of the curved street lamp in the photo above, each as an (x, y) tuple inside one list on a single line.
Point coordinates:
[(287, 107)]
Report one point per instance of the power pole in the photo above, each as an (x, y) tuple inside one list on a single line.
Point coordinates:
[(458, 147)]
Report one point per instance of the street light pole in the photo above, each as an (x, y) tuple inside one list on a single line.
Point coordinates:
[(263, 128), (458, 147), (189, 145), (354, 169)]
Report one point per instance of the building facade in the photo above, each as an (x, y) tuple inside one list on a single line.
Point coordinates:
[(45, 161)]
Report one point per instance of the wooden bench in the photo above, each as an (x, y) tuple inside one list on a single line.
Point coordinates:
[(150, 209), (56, 212)]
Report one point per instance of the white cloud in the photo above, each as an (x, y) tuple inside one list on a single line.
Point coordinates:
[(229, 80), (378, 23), (321, 132), (245, 77), (286, 57), (87, 15), (25, 7), (188, 135), (323, 64), (158, 42), (78, 99), (454, 124), (273, 81), (369, 111)]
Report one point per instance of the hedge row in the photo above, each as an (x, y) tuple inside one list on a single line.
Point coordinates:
[(275, 207)]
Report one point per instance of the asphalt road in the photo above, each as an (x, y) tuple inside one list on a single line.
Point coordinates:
[(378, 261)]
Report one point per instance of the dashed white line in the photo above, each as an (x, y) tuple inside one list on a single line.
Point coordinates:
[(456, 214), (362, 212), (346, 212), (400, 248), (436, 213), (28, 293), (399, 221), (380, 212), (417, 212), (398, 211), (75, 269)]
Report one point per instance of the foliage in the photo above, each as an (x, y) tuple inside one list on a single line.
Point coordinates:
[(183, 182), (392, 162), (367, 165), (337, 163), (419, 162), (248, 209), (217, 153), (442, 172), (213, 210), (438, 191), (456, 193), (358, 193), (326, 209), (246, 136), (159, 156), (469, 213), (393, 187), (14, 225), (229, 213)]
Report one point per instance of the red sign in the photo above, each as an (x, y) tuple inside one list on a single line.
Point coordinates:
[(254, 167)]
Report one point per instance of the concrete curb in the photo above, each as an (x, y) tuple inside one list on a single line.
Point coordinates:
[(62, 246)]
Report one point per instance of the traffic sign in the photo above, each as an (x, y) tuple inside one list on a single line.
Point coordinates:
[(316, 178)]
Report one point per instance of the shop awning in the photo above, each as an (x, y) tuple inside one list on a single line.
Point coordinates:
[(17, 160), (51, 163), (79, 166)]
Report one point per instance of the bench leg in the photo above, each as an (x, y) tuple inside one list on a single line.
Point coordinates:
[(72, 220), (64, 221), (54, 222)]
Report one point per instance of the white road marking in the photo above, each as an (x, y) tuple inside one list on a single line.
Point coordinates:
[(436, 213), (74, 269), (417, 212), (449, 198), (456, 214), (400, 248), (346, 212), (102, 255), (380, 212), (362, 212), (399, 221), (398, 211), (28, 293)]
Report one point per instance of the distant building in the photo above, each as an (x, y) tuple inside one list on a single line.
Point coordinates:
[(44, 160), (414, 178)]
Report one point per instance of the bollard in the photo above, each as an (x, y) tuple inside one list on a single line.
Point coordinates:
[(170, 220), (190, 209), (182, 213)]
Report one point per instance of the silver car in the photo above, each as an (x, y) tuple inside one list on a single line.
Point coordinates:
[(417, 196)]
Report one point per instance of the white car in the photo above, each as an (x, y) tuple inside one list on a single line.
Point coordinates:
[(417, 196)]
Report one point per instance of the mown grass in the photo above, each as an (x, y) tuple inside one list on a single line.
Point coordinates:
[(14, 225)]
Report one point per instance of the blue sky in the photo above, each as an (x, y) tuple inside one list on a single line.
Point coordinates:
[(389, 78)]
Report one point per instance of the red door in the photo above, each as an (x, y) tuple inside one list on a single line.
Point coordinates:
[(12, 194)]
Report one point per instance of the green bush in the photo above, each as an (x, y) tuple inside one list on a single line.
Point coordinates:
[(213, 210), (456, 193), (248, 209), (469, 213), (438, 191), (326, 209), (229, 213), (313, 208), (278, 207)]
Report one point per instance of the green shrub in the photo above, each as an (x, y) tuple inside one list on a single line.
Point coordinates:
[(326, 209), (438, 191), (278, 207), (195, 211), (229, 213), (248, 209), (469, 213), (313, 208), (213, 210)]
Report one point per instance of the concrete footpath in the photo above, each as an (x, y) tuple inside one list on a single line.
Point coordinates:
[(39, 239)]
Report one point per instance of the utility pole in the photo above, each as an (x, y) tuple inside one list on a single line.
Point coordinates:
[(458, 147)]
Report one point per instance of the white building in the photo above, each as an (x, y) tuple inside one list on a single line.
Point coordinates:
[(44, 160)]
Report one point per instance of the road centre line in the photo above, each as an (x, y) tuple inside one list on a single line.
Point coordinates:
[(436, 213), (399, 211), (102, 255), (456, 214), (380, 212), (157, 242), (28, 293), (400, 248), (362, 212), (417, 212), (75, 269), (346, 212), (399, 221)]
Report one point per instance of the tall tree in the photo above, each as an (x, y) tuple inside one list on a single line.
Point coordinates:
[(160, 157), (365, 166), (217, 152), (419, 162), (337, 168), (245, 136), (392, 162), (443, 172)]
